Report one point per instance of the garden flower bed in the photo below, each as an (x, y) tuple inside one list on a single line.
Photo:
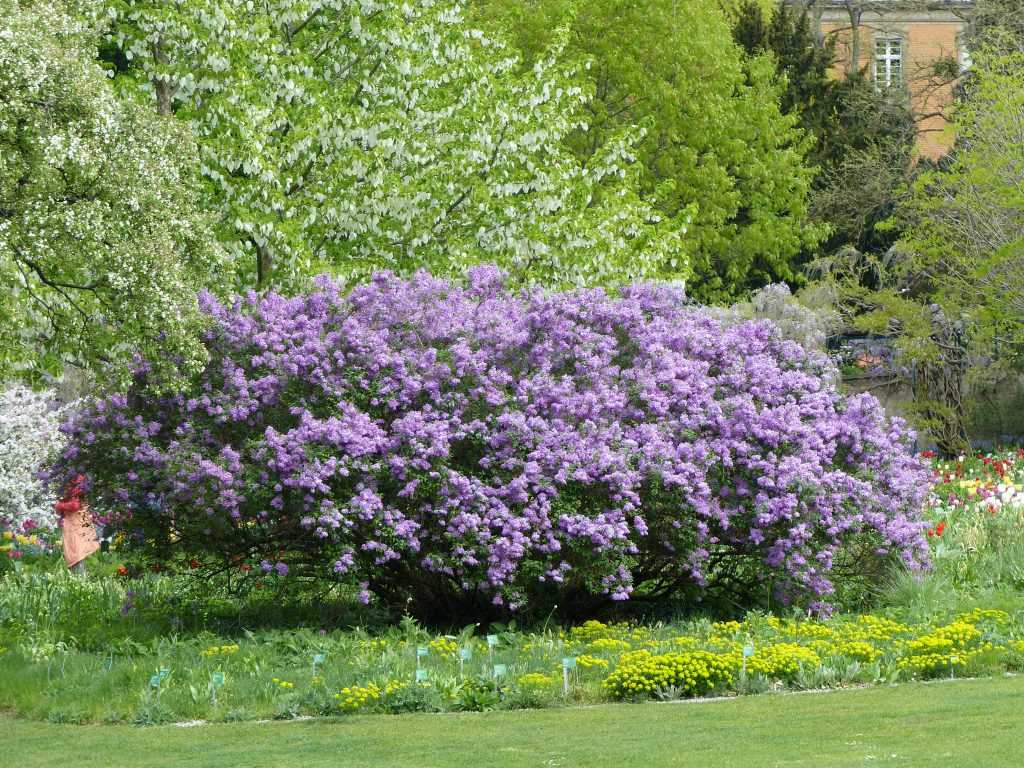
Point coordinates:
[(285, 674), (976, 521), (18, 550), (989, 483)]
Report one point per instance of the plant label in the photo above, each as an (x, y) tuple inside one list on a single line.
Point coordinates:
[(500, 670), (748, 651), (421, 675), (154, 681), (465, 654), (217, 679), (569, 662), (318, 659), (422, 651), (492, 640)]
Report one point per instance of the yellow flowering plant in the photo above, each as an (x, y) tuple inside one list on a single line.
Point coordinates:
[(781, 661), (641, 674)]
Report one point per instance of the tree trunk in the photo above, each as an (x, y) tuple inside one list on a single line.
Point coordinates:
[(262, 265), (819, 36), (161, 86), (855, 12), (938, 387)]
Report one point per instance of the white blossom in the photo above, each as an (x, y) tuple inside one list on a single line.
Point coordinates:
[(28, 436), (350, 135), (101, 250)]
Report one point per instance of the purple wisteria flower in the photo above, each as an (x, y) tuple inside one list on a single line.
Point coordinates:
[(443, 442)]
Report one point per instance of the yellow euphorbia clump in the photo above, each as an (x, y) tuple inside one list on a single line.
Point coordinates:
[(726, 627), (685, 641), (608, 645), (960, 633), (929, 645), (593, 630), (781, 660), (869, 628), (355, 697), (933, 663), (445, 646), (858, 651), (805, 630), (536, 680), (587, 662), (979, 615), (640, 673)]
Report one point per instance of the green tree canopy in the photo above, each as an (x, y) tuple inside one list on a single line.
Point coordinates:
[(967, 216), (864, 137), (996, 22), (716, 140), (101, 251), (807, 87), (354, 135)]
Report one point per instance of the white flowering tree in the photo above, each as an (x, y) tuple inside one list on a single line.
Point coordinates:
[(28, 435), (352, 135), (100, 249)]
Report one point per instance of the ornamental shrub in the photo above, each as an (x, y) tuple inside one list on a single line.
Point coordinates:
[(456, 446)]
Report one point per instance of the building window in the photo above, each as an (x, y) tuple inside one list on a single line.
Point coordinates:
[(889, 62)]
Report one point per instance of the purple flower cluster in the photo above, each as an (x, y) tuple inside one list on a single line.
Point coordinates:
[(419, 438)]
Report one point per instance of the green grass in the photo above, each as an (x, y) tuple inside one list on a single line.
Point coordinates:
[(958, 724)]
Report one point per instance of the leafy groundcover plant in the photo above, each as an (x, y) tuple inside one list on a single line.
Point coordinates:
[(467, 449)]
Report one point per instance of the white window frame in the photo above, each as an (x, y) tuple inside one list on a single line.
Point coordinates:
[(889, 50)]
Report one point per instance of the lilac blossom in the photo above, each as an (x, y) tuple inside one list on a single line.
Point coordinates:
[(420, 437)]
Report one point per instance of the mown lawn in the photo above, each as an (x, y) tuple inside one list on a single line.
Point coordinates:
[(957, 724)]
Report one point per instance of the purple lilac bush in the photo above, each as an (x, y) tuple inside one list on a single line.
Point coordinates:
[(456, 444)]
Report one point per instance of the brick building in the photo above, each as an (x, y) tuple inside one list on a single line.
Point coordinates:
[(898, 43)]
